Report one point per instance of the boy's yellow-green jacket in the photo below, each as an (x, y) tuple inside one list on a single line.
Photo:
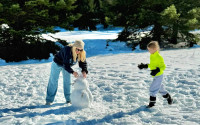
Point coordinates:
[(156, 60)]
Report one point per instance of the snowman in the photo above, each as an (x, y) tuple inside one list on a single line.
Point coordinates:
[(81, 96)]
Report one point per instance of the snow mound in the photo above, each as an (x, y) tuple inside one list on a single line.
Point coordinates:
[(81, 96)]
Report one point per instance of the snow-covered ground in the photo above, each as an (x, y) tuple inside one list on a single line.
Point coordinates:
[(119, 88)]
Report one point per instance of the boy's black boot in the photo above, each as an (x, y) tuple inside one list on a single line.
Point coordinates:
[(169, 98), (152, 102)]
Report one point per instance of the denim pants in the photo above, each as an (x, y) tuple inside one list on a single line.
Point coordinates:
[(53, 83), (157, 86)]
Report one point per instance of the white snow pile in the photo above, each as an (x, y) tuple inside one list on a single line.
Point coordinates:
[(81, 96)]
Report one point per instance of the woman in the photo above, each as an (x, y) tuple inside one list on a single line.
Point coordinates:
[(64, 60)]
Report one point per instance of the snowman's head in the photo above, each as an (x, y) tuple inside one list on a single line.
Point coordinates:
[(81, 83)]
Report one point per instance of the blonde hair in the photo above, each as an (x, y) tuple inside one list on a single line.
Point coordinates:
[(81, 55), (154, 45)]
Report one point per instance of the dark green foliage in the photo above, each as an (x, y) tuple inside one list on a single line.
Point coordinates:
[(39, 50), (27, 20), (91, 13), (144, 42), (171, 20)]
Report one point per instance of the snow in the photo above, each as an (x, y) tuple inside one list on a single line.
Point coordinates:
[(81, 96), (120, 90)]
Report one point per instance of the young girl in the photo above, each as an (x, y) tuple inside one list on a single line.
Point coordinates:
[(63, 61), (157, 66)]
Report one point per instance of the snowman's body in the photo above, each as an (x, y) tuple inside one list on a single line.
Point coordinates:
[(81, 96)]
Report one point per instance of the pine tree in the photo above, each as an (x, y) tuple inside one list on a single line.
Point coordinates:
[(166, 20), (27, 20), (180, 18), (91, 13)]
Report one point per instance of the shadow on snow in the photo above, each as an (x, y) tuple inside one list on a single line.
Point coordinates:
[(106, 119), (59, 111)]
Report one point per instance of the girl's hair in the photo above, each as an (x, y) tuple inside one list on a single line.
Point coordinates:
[(154, 45), (81, 55)]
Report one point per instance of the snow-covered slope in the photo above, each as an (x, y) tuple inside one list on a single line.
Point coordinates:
[(119, 89)]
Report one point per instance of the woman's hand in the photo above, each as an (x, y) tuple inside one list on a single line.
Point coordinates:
[(84, 74), (75, 74)]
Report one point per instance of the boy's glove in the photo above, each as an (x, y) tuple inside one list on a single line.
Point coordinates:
[(155, 71), (143, 66)]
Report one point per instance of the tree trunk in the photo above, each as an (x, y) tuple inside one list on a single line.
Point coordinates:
[(174, 34), (157, 32)]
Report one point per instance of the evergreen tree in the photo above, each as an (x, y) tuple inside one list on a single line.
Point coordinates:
[(180, 18), (91, 13), (27, 20), (166, 20)]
